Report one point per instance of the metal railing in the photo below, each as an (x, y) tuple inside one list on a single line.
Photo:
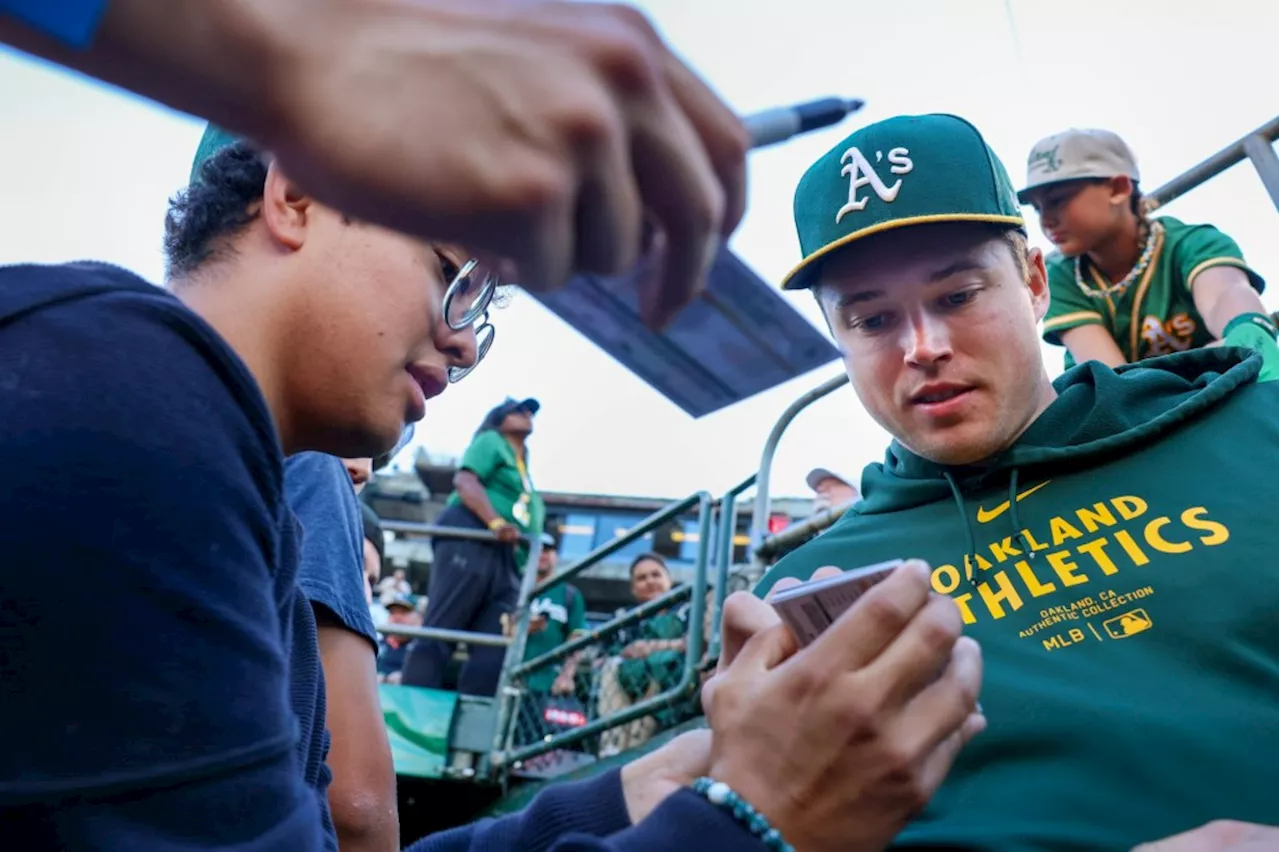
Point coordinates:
[(1255, 146), (760, 516), (464, 637), (505, 753), (727, 527)]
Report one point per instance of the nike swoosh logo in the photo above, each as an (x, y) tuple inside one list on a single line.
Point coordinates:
[(986, 516)]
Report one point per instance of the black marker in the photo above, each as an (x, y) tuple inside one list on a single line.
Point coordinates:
[(781, 123)]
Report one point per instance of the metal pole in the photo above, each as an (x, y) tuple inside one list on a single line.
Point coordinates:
[(1218, 163), (724, 558), (465, 637), (797, 534), (507, 697), (760, 517), (648, 525), (433, 531), (1264, 159)]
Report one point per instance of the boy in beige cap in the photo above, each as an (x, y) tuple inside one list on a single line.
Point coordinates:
[(1124, 286)]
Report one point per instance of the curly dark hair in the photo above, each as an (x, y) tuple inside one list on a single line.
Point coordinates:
[(222, 200)]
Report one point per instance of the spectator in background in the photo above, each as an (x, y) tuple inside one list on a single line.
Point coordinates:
[(392, 650), (1126, 286), (333, 576), (395, 586), (473, 583), (558, 616), (360, 471), (646, 659), (830, 489), (374, 553)]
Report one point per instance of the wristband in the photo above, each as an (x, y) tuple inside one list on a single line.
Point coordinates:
[(495, 523), (1261, 321), (1255, 332), (722, 796)]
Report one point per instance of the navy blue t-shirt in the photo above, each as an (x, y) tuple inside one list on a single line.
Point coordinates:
[(331, 576), (160, 682), (318, 489), (158, 668)]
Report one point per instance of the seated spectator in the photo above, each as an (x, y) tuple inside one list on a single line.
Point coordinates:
[(646, 659), (392, 650), (395, 586)]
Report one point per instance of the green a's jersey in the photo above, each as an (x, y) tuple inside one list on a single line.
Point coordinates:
[(493, 460), (563, 608), (1118, 567), (1156, 314)]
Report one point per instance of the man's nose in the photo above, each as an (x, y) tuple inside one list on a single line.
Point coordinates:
[(928, 341)]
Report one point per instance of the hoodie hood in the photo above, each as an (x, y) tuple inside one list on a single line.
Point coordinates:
[(1099, 413)]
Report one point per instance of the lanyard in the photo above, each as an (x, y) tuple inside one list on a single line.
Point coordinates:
[(524, 475)]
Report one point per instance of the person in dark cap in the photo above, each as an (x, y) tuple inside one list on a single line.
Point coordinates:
[(473, 583)]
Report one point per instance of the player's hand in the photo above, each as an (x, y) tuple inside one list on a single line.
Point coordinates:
[(840, 742), (1224, 835), (540, 133)]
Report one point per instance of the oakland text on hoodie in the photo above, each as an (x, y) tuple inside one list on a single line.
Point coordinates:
[(1118, 567)]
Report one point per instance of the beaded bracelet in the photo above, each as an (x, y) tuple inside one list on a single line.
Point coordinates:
[(722, 796)]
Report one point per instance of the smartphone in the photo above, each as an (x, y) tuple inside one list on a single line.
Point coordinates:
[(810, 608)]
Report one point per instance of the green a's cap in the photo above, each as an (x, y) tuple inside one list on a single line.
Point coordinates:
[(213, 141), (907, 170)]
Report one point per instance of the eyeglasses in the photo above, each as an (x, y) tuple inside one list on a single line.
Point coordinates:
[(466, 300)]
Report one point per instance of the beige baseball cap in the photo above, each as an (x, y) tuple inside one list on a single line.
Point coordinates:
[(1077, 154)]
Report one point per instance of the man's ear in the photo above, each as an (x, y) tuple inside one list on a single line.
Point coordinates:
[(286, 210), (1038, 282)]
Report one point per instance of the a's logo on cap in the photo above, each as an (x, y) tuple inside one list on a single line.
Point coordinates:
[(861, 173), (1046, 161)]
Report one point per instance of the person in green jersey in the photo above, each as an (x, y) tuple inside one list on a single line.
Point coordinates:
[(1109, 538), (1126, 286), (474, 583), (559, 615)]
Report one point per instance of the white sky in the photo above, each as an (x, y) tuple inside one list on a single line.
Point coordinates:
[(85, 173)]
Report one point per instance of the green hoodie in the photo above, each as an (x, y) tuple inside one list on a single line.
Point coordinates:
[(1118, 566)]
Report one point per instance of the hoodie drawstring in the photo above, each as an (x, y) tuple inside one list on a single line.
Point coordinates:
[(970, 543), (1013, 516)]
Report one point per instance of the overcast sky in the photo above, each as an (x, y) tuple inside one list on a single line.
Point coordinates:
[(85, 173)]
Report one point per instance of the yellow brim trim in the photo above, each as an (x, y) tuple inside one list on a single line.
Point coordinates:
[(790, 282), (1069, 319), (1226, 260)]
